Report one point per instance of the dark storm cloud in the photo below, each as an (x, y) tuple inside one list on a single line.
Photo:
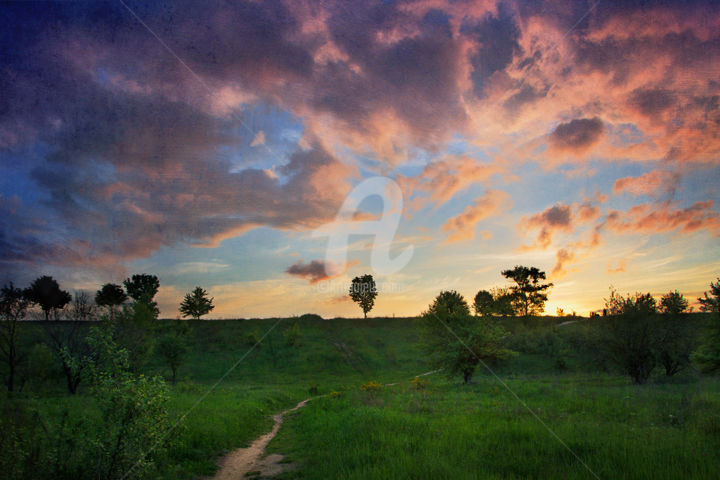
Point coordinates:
[(414, 77), (135, 146), (497, 44), (313, 271), (577, 135), (652, 102)]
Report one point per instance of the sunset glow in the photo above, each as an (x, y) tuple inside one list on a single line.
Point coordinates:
[(207, 144)]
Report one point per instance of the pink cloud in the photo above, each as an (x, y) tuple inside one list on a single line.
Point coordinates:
[(558, 218), (656, 183), (647, 218), (462, 227)]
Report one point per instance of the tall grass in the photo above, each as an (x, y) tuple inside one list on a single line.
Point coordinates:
[(481, 431), (667, 429)]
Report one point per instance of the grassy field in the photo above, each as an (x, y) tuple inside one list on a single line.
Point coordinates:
[(449, 430), (436, 428)]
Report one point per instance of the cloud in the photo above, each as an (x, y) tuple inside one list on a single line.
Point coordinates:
[(316, 270), (588, 212), (567, 219), (654, 184), (496, 38), (136, 153), (313, 272), (444, 178), (462, 227), (562, 258), (652, 102), (620, 268), (647, 219), (558, 218), (576, 136)]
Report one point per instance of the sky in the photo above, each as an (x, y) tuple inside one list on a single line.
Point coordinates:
[(219, 144)]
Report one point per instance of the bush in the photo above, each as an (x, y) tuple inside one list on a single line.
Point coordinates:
[(629, 335), (456, 341), (418, 383), (252, 338), (133, 409), (308, 317), (292, 335), (371, 386)]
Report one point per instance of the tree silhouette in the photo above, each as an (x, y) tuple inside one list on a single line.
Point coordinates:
[(708, 355), (142, 288), (708, 303), (110, 295), (46, 292), (629, 334), (529, 295), (674, 340), (363, 292), (13, 305), (68, 340), (483, 303), (456, 341), (502, 301), (673, 303), (196, 304)]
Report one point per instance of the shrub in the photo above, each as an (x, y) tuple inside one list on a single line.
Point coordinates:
[(456, 341), (252, 338), (418, 383), (371, 386), (133, 409), (629, 336), (292, 335)]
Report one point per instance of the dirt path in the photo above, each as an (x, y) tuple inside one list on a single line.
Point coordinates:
[(236, 464)]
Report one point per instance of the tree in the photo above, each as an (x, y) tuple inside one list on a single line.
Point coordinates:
[(46, 292), (456, 341), (708, 355), (483, 303), (502, 302), (172, 349), (629, 334), (13, 306), (673, 303), (709, 304), (363, 292), (111, 296), (67, 339), (133, 329), (529, 294), (133, 409), (142, 289), (674, 342), (196, 304)]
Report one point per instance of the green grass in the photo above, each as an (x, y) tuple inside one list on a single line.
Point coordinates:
[(666, 429), (450, 430)]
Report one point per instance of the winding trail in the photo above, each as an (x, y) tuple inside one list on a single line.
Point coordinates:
[(238, 463)]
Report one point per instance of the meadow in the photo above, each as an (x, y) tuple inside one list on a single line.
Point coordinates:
[(430, 427)]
